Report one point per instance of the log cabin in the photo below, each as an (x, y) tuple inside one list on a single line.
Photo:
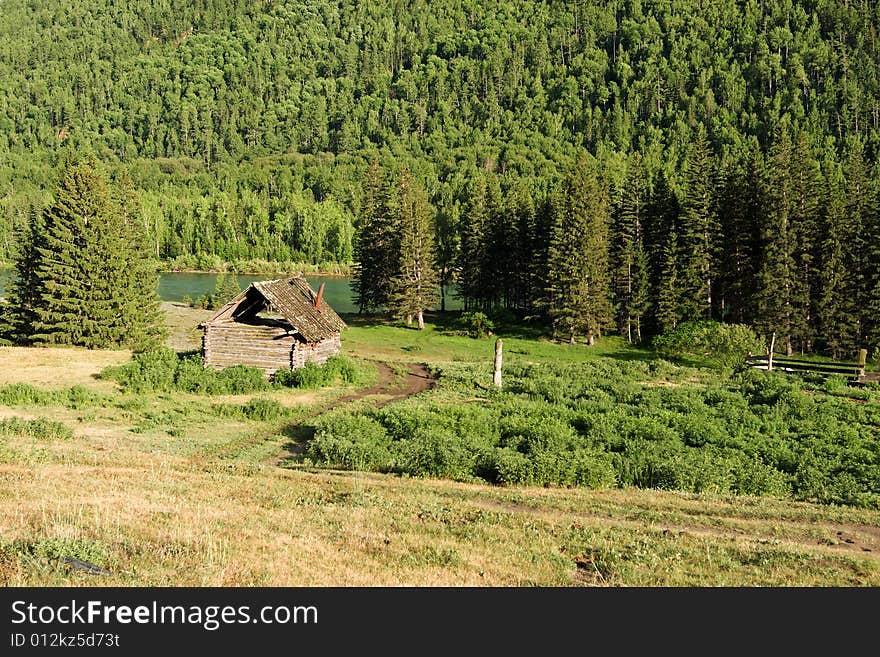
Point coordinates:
[(273, 325)]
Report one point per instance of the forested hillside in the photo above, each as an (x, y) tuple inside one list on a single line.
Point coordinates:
[(734, 143)]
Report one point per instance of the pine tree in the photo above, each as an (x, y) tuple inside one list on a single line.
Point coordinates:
[(375, 244), (19, 315), (500, 238), (872, 232), (668, 293), (629, 258), (578, 289), (414, 286), (783, 295), (805, 192), (140, 323), (662, 253), (474, 246), (522, 250), (97, 288), (740, 205), (847, 270), (861, 208), (836, 304), (698, 233)]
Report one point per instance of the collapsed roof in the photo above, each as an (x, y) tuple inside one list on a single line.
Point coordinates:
[(305, 310)]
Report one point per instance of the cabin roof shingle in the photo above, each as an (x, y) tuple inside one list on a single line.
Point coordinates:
[(293, 299)]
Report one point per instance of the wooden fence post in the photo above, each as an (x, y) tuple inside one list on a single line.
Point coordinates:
[(770, 353), (497, 376), (863, 360)]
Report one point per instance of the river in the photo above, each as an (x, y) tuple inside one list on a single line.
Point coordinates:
[(174, 286)]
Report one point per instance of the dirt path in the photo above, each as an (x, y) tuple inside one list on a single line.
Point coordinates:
[(847, 537), (417, 379)]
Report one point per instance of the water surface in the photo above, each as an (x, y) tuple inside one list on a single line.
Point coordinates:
[(174, 286)]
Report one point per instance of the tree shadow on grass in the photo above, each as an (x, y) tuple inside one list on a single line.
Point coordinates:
[(299, 436)]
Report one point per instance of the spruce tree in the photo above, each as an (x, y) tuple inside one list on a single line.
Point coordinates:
[(661, 250), (806, 189), (872, 232), (781, 301), (668, 303), (375, 244), (522, 250), (860, 199), (474, 246), (836, 304), (698, 233), (501, 240), (137, 309), (414, 286), (97, 286), (19, 312), (629, 258), (578, 277), (740, 204)]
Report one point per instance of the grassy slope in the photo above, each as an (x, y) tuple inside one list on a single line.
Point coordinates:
[(162, 490)]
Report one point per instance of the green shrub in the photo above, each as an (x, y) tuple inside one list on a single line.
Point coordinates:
[(725, 344), (191, 375), (40, 428), (240, 379), (309, 376), (356, 442), (607, 423), (477, 324), (23, 394), (337, 368), (163, 370), (149, 371), (262, 409)]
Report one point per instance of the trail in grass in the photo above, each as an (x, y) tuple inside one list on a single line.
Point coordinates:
[(417, 380), (388, 388)]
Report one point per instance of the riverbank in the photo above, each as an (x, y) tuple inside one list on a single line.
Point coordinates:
[(212, 265)]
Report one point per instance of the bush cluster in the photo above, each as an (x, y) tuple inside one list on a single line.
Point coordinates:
[(311, 375), (39, 428), (164, 370), (615, 423), (725, 344), (477, 324)]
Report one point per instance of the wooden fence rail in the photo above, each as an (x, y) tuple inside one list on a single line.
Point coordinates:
[(852, 370)]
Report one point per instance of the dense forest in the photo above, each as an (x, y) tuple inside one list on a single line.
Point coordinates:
[(714, 159)]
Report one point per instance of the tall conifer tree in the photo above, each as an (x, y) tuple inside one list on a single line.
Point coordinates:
[(698, 233), (474, 246), (873, 258), (18, 314), (779, 298), (836, 303), (661, 246), (578, 276), (629, 258), (414, 286), (740, 205), (98, 286), (375, 244), (806, 190)]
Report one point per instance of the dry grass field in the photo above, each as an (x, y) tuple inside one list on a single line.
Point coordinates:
[(57, 367), (174, 490)]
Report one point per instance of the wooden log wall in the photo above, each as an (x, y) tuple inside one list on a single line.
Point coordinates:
[(233, 343), (317, 352), (268, 348)]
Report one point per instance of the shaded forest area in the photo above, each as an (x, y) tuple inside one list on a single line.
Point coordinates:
[(733, 144)]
